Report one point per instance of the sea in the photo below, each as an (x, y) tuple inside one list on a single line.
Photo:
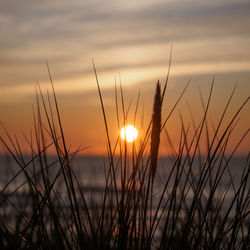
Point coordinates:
[(92, 171)]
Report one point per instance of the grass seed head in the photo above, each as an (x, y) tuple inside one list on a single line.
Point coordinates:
[(156, 129)]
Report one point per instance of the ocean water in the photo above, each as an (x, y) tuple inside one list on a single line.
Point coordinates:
[(91, 173)]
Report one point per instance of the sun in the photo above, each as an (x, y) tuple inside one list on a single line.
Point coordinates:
[(129, 133)]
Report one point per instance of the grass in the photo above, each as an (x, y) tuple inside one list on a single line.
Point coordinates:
[(199, 206)]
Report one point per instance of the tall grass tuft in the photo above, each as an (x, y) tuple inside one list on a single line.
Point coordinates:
[(197, 204)]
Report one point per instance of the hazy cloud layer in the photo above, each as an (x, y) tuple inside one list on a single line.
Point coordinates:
[(120, 36)]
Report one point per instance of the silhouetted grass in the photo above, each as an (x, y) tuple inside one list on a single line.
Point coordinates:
[(193, 209)]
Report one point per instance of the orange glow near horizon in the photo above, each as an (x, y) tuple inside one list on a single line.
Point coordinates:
[(130, 43)]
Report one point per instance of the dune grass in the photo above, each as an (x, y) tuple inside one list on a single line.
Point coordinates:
[(193, 209)]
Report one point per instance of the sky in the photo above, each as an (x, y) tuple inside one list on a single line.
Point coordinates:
[(128, 41)]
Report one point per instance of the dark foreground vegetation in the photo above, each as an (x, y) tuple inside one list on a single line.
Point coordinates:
[(198, 207)]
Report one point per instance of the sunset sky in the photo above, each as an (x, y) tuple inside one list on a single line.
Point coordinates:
[(130, 40)]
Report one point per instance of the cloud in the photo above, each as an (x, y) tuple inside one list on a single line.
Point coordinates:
[(119, 35)]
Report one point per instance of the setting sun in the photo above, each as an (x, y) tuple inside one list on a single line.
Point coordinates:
[(129, 133)]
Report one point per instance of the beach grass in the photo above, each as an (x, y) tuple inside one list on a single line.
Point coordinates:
[(191, 210)]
